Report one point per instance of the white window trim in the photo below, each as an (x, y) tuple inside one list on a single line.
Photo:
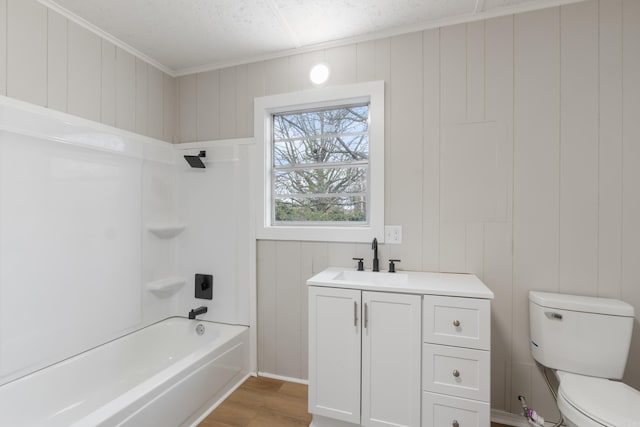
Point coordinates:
[(265, 106)]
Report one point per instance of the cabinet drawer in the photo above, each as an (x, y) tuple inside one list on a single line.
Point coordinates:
[(462, 322), (456, 371), (447, 411)]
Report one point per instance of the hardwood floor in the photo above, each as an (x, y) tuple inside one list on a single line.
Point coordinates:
[(262, 402), (265, 402)]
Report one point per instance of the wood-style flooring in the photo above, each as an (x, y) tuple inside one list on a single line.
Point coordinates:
[(265, 402)]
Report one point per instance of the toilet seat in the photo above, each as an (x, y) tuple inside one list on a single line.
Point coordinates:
[(594, 402)]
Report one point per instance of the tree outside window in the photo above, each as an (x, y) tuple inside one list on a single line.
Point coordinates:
[(320, 165)]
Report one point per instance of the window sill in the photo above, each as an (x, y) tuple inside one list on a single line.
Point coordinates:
[(322, 233)]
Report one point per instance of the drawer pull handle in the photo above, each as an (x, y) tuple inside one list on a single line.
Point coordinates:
[(456, 323), (456, 373), (455, 423)]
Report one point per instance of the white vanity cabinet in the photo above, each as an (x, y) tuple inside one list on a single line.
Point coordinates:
[(398, 349), (456, 361), (364, 357)]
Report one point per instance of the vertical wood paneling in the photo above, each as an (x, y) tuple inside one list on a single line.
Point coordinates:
[(431, 152), (341, 254), (227, 104), (474, 245), (208, 107), (383, 72), (256, 84), (267, 306), (536, 164), (579, 149), (27, 51), (85, 53), (365, 61), (320, 257), (276, 76), (57, 61), (3, 47), (125, 90), (108, 89), (242, 105), (187, 108), (49, 61), (155, 102), (298, 75), (405, 159), (343, 64), (631, 173), (453, 109), (288, 309), (142, 96), (498, 235), (307, 252), (453, 74), (610, 150), (169, 108), (475, 71), (521, 385)]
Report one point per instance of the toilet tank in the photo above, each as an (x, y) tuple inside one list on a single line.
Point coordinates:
[(584, 335)]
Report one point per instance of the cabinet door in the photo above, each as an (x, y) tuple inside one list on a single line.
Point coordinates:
[(391, 347), (334, 353)]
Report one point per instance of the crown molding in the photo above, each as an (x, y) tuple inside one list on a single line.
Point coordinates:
[(407, 29), (477, 15), (52, 5)]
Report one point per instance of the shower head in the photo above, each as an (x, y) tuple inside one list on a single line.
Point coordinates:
[(196, 161)]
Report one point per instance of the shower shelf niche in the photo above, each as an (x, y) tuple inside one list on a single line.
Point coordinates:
[(166, 230), (164, 288)]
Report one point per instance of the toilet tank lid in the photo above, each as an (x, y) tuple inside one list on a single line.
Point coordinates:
[(584, 304)]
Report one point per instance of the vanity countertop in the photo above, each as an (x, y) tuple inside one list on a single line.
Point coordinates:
[(409, 282)]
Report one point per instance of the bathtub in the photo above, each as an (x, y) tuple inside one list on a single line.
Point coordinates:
[(166, 374)]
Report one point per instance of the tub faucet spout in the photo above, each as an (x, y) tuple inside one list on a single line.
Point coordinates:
[(197, 311)]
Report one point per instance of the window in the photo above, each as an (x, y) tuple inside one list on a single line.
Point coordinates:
[(320, 166), (322, 157)]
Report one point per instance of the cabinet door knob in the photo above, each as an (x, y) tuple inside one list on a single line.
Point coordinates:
[(456, 323), (456, 373), (455, 423)]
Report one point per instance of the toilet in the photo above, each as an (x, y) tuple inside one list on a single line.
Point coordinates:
[(586, 340)]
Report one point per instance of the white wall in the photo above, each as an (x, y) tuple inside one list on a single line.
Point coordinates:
[(75, 254), (552, 98), (47, 60), (214, 204)]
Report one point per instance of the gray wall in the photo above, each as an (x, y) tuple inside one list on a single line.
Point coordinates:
[(47, 60), (559, 209)]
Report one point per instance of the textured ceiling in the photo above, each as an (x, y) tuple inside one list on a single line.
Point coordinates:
[(184, 35)]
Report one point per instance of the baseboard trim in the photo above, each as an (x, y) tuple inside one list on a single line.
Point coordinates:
[(283, 378), (509, 419)]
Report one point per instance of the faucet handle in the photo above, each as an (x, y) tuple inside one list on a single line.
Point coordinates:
[(360, 263), (392, 265)]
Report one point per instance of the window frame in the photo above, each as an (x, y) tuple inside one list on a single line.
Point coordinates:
[(265, 107)]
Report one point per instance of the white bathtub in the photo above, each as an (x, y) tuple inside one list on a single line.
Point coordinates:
[(162, 375)]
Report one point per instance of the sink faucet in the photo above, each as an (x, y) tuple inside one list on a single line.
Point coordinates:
[(374, 246), (197, 311)]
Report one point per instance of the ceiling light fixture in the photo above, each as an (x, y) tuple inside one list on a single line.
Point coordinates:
[(319, 74)]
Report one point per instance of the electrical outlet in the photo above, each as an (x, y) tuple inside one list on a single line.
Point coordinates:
[(393, 234)]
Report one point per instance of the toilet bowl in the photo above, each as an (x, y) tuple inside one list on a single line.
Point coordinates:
[(586, 341), (595, 402)]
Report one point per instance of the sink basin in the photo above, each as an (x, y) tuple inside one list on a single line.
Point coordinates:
[(369, 277)]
